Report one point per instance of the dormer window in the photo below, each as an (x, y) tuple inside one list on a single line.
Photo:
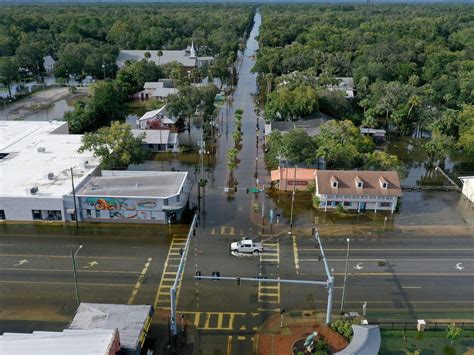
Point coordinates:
[(358, 182), (334, 182), (383, 183)]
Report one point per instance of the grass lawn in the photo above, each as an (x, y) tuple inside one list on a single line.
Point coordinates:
[(430, 342)]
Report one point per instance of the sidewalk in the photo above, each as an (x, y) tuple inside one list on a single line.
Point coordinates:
[(271, 339), (186, 342)]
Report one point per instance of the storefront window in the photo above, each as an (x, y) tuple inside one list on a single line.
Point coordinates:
[(36, 215), (54, 215)]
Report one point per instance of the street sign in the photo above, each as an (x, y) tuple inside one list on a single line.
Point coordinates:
[(254, 190)]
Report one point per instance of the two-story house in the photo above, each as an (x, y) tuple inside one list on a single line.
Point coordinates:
[(358, 190)]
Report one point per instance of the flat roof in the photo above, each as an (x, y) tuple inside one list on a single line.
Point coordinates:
[(128, 319), (156, 136), (157, 184), (91, 342), (40, 154)]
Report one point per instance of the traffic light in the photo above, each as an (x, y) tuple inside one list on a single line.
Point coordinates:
[(247, 190), (216, 275), (238, 281), (198, 274), (235, 189)]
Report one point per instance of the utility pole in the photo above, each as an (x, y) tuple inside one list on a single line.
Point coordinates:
[(73, 255), (345, 278), (330, 276), (74, 197), (293, 197)]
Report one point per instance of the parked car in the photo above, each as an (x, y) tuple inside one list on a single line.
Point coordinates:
[(246, 246)]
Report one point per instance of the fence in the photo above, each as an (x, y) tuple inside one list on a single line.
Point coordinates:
[(430, 326)]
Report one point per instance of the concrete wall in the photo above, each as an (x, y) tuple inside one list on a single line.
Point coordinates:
[(20, 208), (468, 189)]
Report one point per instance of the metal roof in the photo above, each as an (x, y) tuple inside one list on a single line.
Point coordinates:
[(128, 319), (366, 341), (90, 342)]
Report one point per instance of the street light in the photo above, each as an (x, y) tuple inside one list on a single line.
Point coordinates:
[(345, 278), (73, 255)]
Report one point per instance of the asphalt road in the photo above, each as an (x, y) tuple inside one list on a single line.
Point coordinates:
[(400, 275), (36, 272)]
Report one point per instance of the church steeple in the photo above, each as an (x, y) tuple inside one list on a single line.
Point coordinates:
[(192, 53)]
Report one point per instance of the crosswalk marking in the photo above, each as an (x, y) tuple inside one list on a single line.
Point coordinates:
[(227, 230), (212, 320), (168, 276), (269, 293)]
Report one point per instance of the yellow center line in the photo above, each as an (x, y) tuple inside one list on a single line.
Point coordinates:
[(229, 345), (141, 278)]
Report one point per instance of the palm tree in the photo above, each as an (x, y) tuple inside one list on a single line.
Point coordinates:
[(147, 55), (159, 53)]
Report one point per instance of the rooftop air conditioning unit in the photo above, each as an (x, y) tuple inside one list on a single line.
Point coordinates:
[(41, 149), (50, 176), (34, 190)]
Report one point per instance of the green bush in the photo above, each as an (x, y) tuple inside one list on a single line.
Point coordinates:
[(344, 328)]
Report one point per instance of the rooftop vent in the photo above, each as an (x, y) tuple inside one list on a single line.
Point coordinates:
[(41, 149), (34, 190), (50, 176)]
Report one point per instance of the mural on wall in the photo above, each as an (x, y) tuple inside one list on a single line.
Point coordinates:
[(112, 204)]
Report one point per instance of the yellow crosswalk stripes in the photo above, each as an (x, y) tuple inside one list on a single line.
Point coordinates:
[(212, 320), (271, 253), (227, 230), (269, 293), (170, 270)]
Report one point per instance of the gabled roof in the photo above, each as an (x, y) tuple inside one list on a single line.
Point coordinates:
[(301, 174), (156, 136), (169, 56), (153, 114), (346, 182)]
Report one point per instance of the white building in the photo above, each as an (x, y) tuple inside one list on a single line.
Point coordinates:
[(156, 119), (91, 342), (187, 57), (158, 140), (35, 175), (358, 190), (49, 63), (140, 196), (468, 187), (36, 183)]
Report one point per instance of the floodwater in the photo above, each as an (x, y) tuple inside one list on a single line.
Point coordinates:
[(419, 170), (52, 111), (220, 207)]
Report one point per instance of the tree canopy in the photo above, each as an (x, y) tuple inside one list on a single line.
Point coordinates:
[(116, 146)]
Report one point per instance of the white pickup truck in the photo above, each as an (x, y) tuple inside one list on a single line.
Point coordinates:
[(246, 246)]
